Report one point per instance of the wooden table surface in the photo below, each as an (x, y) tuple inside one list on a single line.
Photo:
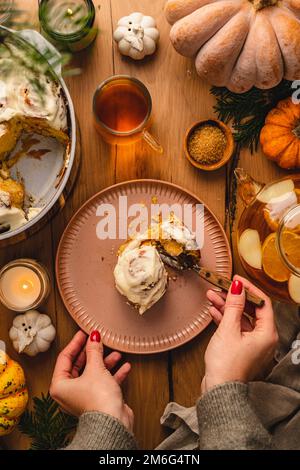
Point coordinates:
[(179, 99)]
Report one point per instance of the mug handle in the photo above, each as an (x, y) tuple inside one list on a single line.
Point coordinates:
[(152, 142)]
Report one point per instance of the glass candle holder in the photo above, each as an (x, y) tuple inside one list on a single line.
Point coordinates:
[(68, 24), (24, 285), (6, 10)]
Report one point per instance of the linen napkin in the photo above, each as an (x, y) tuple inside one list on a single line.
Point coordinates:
[(275, 400)]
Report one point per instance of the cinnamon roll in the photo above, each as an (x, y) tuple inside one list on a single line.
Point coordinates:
[(140, 275), (174, 237)]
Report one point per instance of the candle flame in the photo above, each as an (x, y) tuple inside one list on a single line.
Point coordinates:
[(26, 286)]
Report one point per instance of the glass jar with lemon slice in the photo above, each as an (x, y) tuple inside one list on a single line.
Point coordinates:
[(269, 235)]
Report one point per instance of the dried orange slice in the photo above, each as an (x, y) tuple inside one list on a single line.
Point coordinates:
[(271, 261)]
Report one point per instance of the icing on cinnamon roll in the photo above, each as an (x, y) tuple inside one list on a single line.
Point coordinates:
[(27, 93), (174, 236), (140, 275)]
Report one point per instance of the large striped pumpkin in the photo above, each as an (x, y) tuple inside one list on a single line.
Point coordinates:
[(238, 43)]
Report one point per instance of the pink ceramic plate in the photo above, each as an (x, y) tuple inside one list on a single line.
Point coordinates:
[(84, 271)]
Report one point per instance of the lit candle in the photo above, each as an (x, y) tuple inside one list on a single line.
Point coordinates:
[(69, 23), (24, 284)]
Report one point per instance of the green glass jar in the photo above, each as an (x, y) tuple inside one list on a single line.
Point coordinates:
[(68, 24), (6, 11)]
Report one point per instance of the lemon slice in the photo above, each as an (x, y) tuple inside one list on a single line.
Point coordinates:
[(271, 261), (291, 246)]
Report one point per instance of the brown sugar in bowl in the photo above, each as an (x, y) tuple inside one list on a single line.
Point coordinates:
[(228, 152)]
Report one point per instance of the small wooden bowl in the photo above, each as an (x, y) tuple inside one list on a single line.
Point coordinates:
[(228, 152)]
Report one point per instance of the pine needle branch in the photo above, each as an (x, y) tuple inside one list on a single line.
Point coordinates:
[(32, 59), (47, 426), (16, 51), (247, 111), (14, 17)]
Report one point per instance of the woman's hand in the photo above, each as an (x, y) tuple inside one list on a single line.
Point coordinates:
[(82, 382), (239, 349)]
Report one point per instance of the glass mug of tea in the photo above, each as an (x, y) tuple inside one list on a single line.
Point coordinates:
[(122, 108)]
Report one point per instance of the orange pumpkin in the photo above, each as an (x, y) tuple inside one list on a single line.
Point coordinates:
[(280, 136)]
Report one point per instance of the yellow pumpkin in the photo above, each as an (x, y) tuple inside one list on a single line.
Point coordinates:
[(13, 393), (280, 136), (238, 43)]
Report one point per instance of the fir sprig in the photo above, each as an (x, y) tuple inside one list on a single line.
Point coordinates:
[(47, 426), (19, 52), (14, 17), (247, 111), (32, 59)]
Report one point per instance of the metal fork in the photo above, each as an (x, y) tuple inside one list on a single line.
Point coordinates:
[(184, 262)]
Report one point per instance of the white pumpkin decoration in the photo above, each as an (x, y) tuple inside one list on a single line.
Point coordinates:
[(136, 35), (32, 333)]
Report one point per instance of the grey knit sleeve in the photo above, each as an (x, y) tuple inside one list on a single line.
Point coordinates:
[(227, 420), (98, 431)]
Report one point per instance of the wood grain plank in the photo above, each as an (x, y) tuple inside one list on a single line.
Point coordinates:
[(97, 161), (190, 101), (179, 99), (147, 390)]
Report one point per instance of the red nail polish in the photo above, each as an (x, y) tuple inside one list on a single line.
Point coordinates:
[(236, 287), (95, 336)]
